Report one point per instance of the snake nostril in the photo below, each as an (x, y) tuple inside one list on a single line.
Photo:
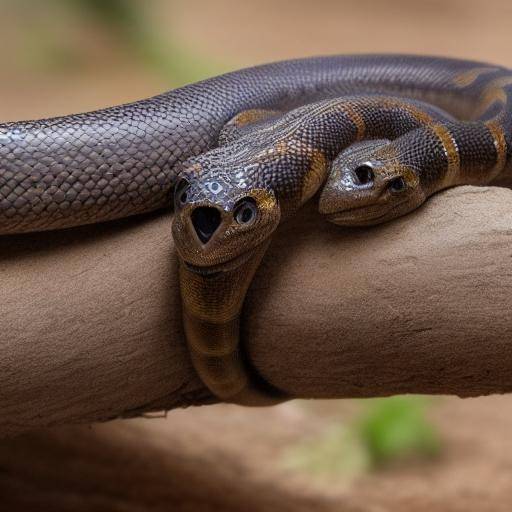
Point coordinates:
[(364, 174), (205, 220)]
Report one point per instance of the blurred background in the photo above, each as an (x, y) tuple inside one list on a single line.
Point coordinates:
[(400, 454)]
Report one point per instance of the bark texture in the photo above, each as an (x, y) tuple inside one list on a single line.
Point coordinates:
[(90, 317)]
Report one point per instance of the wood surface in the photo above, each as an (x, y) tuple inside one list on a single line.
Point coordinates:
[(90, 317)]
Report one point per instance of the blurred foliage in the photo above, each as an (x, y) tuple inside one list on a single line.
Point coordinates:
[(49, 32), (123, 14), (387, 431), (131, 21), (337, 452), (397, 428)]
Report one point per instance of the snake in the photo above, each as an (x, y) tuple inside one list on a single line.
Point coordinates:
[(375, 181), (240, 153)]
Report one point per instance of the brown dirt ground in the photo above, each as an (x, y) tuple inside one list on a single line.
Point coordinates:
[(220, 457), (174, 463)]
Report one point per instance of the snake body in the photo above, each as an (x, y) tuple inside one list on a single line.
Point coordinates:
[(399, 174), (245, 150)]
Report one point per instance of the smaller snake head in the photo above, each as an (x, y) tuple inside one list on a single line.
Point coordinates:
[(369, 184), (222, 213)]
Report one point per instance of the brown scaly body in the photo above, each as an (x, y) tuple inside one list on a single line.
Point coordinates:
[(126, 160), (275, 166), (401, 174)]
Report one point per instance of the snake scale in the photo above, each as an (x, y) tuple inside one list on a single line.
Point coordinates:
[(241, 152)]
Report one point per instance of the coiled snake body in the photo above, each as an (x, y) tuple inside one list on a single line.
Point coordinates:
[(243, 152)]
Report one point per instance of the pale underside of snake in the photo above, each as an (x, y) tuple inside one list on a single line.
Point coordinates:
[(242, 152)]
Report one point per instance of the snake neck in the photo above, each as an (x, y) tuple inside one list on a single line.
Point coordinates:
[(212, 305)]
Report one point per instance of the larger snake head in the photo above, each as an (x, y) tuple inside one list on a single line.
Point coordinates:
[(223, 211), (370, 183)]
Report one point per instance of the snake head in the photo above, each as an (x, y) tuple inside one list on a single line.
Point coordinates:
[(219, 218), (370, 184)]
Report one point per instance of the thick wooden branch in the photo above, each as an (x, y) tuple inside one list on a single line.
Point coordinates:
[(90, 318)]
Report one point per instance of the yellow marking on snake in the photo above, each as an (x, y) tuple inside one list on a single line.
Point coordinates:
[(469, 77), (419, 115), (316, 174), (283, 147), (451, 150), (265, 200), (494, 92), (195, 168), (500, 143), (250, 116), (411, 178), (357, 119)]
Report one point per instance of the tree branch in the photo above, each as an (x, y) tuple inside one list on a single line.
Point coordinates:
[(90, 318)]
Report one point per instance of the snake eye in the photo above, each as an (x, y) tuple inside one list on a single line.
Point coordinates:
[(397, 185), (364, 174), (246, 211), (181, 192)]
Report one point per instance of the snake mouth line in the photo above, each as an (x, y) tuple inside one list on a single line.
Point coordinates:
[(202, 271), (348, 215), (226, 266)]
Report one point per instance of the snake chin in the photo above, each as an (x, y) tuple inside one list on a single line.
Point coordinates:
[(368, 216), (202, 271)]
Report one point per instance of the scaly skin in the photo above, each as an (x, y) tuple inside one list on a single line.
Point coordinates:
[(125, 160), (121, 161), (271, 167), (400, 174)]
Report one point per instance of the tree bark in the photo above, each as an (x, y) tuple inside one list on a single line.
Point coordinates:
[(90, 317)]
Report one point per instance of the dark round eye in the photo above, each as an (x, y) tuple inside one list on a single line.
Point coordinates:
[(181, 192), (214, 187), (364, 174), (246, 211), (397, 184)]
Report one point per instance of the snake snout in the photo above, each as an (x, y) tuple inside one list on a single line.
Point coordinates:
[(206, 220)]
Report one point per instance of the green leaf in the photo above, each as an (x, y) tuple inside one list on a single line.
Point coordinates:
[(396, 428)]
